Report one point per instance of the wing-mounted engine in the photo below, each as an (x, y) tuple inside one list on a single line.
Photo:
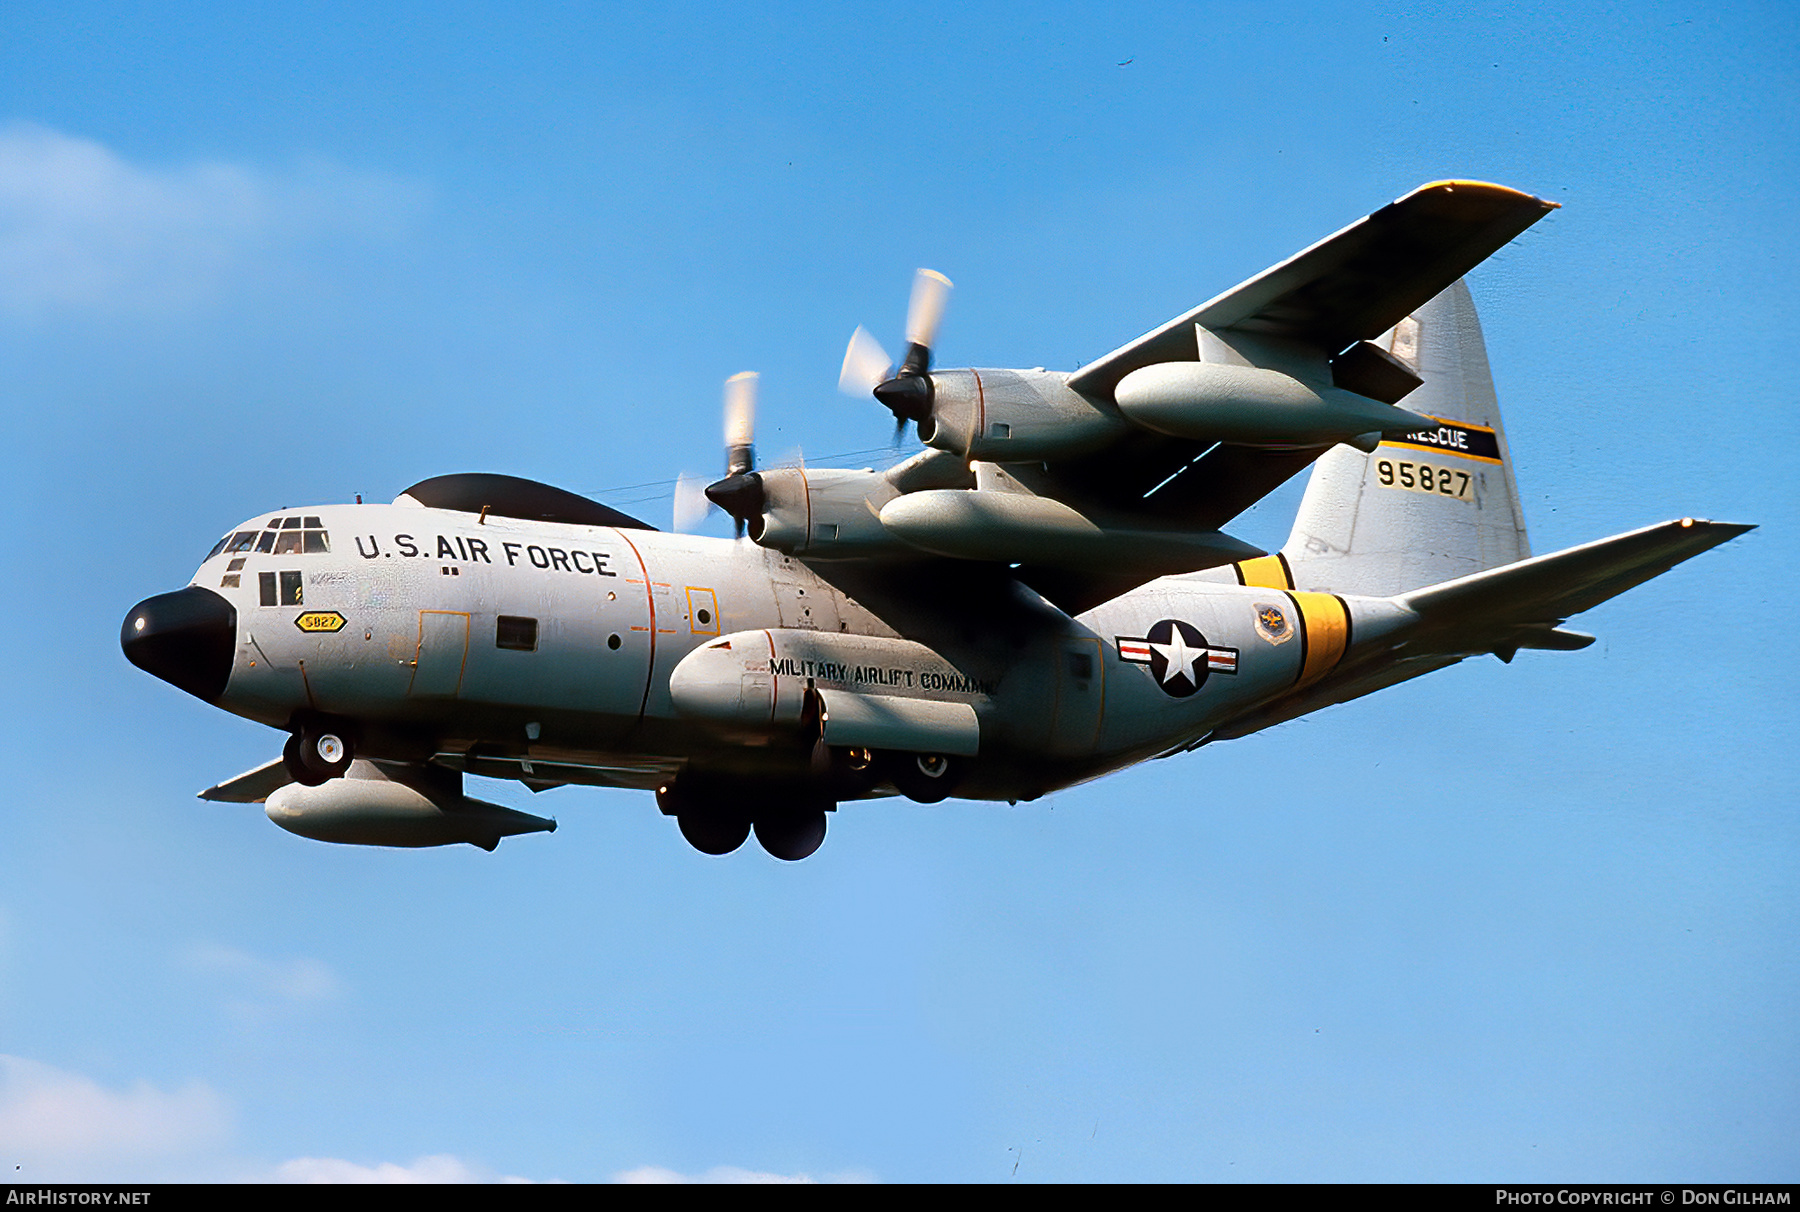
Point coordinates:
[(1014, 416), (833, 513)]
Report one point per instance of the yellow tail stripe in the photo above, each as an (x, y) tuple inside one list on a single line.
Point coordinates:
[(1265, 572), (1324, 633)]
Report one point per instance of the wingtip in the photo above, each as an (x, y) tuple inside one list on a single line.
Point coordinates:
[(1735, 528), (1453, 185)]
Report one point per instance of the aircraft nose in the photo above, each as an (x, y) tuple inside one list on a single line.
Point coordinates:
[(185, 638)]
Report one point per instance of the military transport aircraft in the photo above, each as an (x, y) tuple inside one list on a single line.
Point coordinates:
[(1041, 596)]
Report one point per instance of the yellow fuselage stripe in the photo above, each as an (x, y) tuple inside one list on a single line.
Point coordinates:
[(1324, 633), (1265, 572)]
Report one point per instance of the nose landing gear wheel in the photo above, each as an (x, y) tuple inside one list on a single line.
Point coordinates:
[(317, 753), (791, 836), (713, 834)]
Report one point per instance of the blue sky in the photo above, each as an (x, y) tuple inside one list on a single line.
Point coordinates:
[(1527, 922)]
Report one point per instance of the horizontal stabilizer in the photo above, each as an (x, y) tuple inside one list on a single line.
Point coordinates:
[(1350, 286), (1550, 588), (252, 786), (1500, 611)]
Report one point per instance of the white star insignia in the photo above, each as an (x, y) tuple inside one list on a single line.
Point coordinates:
[(1178, 658)]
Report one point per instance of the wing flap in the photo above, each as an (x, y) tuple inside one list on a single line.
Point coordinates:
[(1350, 286)]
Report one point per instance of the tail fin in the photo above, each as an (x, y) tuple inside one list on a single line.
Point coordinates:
[(1428, 507)]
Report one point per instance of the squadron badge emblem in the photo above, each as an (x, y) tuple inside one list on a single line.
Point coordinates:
[(1272, 623), (1179, 657)]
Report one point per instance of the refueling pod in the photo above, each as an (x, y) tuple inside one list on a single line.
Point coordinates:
[(375, 804)]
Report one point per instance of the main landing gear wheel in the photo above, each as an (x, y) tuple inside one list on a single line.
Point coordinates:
[(317, 753), (710, 833), (923, 777), (792, 836)]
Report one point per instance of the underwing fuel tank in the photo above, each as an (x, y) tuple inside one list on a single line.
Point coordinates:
[(856, 691), (1013, 527), (1252, 406), (371, 806)]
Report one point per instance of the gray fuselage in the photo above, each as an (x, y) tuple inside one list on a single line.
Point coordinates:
[(545, 651)]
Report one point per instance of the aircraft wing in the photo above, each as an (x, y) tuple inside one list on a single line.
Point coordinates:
[(252, 786), (1349, 286), (1144, 499)]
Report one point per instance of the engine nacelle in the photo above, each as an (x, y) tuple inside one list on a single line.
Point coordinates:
[(1252, 406), (826, 513), (369, 806), (1014, 416), (858, 691)]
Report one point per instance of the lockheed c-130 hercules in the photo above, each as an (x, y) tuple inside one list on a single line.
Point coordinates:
[(1041, 596)]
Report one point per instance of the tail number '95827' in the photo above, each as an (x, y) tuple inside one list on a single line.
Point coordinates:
[(1425, 477)]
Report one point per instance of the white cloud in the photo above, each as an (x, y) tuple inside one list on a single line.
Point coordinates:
[(83, 229), (57, 1126), (53, 1121), (441, 1168), (258, 992), (728, 1174), (291, 981)]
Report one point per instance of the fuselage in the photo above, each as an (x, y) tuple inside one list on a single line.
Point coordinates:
[(546, 651)]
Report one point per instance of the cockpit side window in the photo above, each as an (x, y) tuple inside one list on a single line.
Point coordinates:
[(217, 548), (243, 540)]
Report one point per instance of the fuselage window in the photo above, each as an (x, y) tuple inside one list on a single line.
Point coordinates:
[(511, 631), (265, 583), (290, 589)]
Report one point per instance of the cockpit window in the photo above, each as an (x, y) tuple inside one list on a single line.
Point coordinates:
[(285, 536), (217, 548)]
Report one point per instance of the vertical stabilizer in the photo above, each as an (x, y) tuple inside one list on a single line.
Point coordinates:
[(1427, 507)]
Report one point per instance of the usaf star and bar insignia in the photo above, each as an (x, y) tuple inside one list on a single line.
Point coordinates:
[(1179, 657)]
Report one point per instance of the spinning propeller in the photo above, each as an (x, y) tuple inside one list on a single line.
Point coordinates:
[(740, 493), (867, 368)]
